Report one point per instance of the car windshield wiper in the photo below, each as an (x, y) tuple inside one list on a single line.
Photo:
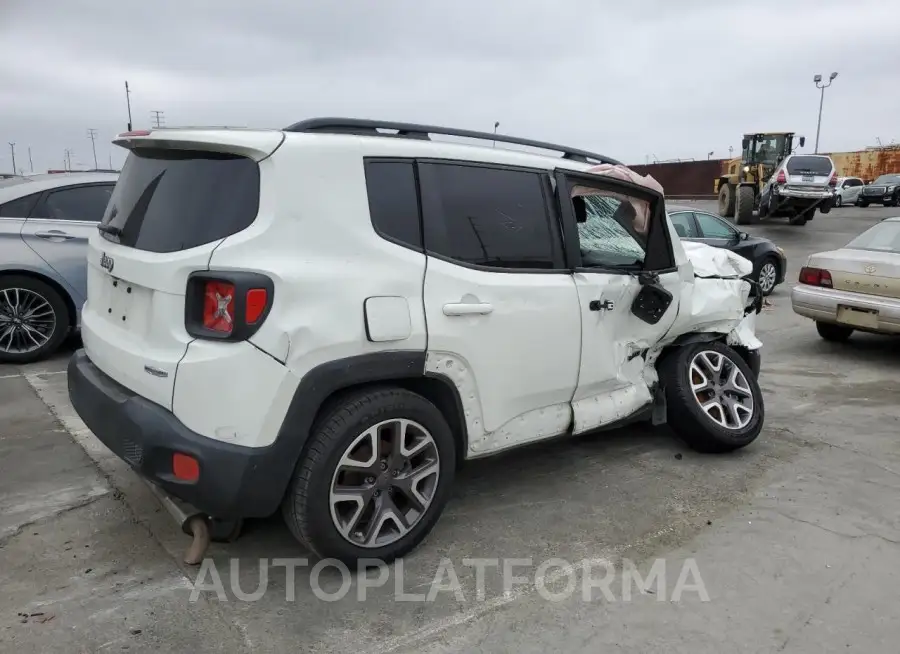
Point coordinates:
[(112, 230)]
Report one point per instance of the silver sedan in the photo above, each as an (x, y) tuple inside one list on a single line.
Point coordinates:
[(855, 288), (45, 221)]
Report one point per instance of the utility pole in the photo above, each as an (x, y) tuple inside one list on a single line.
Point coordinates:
[(820, 85), (30, 162), (496, 125), (158, 118), (92, 134), (128, 102), (110, 161), (67, 160), (12, 147)]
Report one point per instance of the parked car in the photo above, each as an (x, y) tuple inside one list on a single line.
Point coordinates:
[(769, 261), (45, 222), (799, 185), (329, 317), (847, 190), (855, 288), (884, 190)]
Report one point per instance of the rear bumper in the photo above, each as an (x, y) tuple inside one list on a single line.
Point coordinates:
[(817, 195), (822, 304), (234, 481)]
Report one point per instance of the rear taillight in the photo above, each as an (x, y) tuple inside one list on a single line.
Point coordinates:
[(833, 180), (815, 277), (228, 305), (781, 179)]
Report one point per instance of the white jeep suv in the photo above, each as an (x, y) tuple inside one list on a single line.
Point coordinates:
[(329, 318)]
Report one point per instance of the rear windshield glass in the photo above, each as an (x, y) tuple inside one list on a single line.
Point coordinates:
[(809, 165), (170, 200), (884, 237)]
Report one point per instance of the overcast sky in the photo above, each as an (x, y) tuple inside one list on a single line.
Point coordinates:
[(646, 78)]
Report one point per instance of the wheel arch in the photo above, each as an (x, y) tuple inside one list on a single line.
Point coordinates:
[(325, 386), (751, 357), (52, 283)]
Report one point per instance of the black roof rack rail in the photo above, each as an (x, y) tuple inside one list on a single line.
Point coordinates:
[(362, 127)]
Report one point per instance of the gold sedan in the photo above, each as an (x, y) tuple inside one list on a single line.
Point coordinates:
[(856, 288)]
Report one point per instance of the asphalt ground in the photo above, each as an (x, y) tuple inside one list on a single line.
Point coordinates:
[(791, 544)]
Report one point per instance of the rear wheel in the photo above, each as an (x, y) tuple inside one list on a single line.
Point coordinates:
[(714, 400), (34, 319), (374, 479), (726, 200), (832, 332), (744, 205)]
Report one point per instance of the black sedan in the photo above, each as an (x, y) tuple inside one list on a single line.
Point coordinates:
[(769, 262)]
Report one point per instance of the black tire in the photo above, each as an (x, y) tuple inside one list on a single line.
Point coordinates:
[(744, 205), (726, 200), (763, 210), (895, 202), (62, 318), (832, 332), (685, 416), (799, 219), (838, 202), (306, 508), (758, 273), (862, 203)]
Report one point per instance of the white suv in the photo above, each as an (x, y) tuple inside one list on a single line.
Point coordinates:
[(329, 318)]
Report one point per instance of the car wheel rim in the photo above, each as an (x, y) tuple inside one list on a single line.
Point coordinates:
[(767, 275), (27, 321), (721, 390), (384, 483)]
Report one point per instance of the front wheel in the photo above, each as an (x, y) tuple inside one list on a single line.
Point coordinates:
[(838, 201), (34, 319), (862, 203), (374, 479), (714, 400), (743, 211)]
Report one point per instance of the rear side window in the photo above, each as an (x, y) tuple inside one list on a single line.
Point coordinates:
[(20, 208), (809, 165), (84, 203), (394, 202), (170, 200), (486, 216)]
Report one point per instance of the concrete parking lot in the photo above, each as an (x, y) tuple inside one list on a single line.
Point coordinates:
[(796, 538)]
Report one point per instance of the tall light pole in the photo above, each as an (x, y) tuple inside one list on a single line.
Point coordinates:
[(821, 85), (92, 134), (30, 162), (496, 125), (12, 147)]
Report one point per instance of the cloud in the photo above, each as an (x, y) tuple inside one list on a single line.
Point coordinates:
[(639, 79)]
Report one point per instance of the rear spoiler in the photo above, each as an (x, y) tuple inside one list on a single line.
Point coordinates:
[(256, 144)]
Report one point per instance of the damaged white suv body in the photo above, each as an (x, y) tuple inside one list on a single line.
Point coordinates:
[(328, 319)]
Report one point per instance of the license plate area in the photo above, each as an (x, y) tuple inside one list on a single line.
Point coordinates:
[(808, 178), (864, 318)]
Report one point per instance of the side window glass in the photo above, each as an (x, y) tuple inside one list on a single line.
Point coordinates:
[(611, 228), (86, 203), (20, 208), (393, 201), (684, 224), (486, 216), (713, 227)]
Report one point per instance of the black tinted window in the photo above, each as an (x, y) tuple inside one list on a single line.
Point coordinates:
[(19, 208), (393, 202), (712, 227), (809, 164), (486, 216), (79, 203), (170, 200)]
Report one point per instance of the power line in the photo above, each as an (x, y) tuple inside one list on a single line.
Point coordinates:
[(92, 134), (158, 118)]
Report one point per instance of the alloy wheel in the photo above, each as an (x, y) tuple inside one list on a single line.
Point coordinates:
[(767, 276), (721, 390), (27, 320), (384, 483)]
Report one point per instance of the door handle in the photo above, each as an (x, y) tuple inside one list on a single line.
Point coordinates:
[(54, 234), (468, 309)]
